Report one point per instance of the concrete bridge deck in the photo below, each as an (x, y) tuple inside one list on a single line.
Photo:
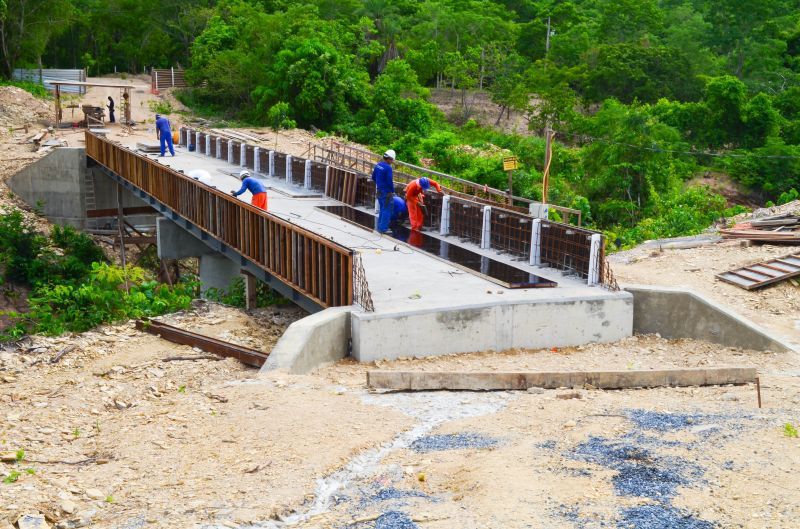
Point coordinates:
[(425, 306)]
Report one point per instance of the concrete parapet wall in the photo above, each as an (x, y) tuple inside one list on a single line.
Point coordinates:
[(313, 341), (492, 327), (677, 313)]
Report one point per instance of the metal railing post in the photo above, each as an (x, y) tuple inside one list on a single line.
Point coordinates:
[(444, 224), (486, 231), (536, 243), (594, 259)]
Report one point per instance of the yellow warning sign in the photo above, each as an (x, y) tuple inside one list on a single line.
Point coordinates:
[(510, 163)]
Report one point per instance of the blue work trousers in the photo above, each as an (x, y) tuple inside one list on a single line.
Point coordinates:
[(385, 210), (166, 140)]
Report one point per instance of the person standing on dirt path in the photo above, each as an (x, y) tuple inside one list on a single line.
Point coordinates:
[(415, 200), (384, 183), (164, 135), (110, 106), (255, 187)]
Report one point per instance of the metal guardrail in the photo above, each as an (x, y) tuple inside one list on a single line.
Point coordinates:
[(360, 160), (46, 76), (318, 268)]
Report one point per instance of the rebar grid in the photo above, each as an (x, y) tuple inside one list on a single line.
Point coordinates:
[(318, 176), (201, 144), (280, 164), (606, 275), (566, 248), (511, 232), (263, 161), (237, 153), (298, 171), (466, 220), (361, 293), (250, 157), (223, 149), (213, 140)]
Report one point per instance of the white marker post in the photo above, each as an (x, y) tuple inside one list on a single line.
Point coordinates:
[(594, 260), (486, 232), (272, 163), (536, 243), (307, 179), (257, 160), (288, 168), (243, 155), (444, 224)]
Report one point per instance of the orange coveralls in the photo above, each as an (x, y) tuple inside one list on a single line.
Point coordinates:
[(415, 197)]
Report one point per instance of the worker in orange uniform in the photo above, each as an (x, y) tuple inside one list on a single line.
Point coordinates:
[(255, 187), (415, 199)]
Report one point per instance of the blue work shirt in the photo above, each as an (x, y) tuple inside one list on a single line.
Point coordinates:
[(252, 185), (162, 125), (382, 176), (400, 207)]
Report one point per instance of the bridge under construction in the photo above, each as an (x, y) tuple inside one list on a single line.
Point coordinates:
[(483, 275)]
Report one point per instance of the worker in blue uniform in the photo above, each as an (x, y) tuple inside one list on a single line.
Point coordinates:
[(255, 187), (399, 212), (384, 183), (164, 135)]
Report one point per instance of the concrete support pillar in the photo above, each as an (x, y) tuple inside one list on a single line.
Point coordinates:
[(486, 231), (325, 191), (307, 175), (444, 224), (217, 271), (219, 148), (230, 152), (536, 243), (243, 155), (173, 242), (272, 163), (594, 260), (250, 291), (288, 168), (257, 160)]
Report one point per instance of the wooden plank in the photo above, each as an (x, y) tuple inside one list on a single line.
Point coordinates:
[(520, 381)]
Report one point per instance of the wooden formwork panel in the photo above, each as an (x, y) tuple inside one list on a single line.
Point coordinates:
[(250, 157), (313, 265), (237, 153), (342, 186), (213, 140), (263, 161), (318, 177)]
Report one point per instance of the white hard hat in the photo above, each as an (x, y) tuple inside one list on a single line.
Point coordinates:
[(390, 154), (244, 174)]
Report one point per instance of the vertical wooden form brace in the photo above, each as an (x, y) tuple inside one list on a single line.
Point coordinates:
[(486, 230), (536, 243), (594, 259), (444, 225)]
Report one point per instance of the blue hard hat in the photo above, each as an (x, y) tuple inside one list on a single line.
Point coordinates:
[(424, 183)]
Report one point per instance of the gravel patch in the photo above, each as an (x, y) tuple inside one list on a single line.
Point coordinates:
[(436, 443)]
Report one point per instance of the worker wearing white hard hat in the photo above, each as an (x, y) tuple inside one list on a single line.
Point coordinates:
[(255, 187), (382, 175)]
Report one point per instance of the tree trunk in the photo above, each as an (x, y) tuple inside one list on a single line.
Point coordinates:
[(502, 109)]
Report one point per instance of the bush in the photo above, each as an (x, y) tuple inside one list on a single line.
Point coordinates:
[(34, 89), (235, 295)]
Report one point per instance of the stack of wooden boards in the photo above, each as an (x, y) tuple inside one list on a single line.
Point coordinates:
[(765, 273), (779, 228)]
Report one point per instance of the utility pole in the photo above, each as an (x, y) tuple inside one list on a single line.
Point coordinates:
[(548, 135)]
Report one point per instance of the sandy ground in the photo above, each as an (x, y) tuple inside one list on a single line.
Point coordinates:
[(776, 308), (117, 437)]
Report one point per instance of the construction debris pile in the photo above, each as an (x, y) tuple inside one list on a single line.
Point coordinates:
[(782, 226), (19, 109)]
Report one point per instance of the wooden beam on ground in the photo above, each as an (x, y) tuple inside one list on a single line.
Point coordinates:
[(498, 381)]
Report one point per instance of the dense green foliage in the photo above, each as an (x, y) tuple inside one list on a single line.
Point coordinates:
[(639, 91), (234, 295), (72, 286)]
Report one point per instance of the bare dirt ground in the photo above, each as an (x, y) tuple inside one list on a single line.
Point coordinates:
[(480, 108), (115, 436)]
